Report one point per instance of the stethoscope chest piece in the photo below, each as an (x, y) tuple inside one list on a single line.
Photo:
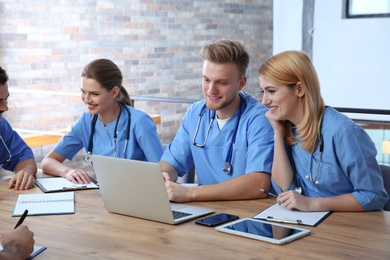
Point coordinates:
[(87, 157), (227, 168), (298, 189)]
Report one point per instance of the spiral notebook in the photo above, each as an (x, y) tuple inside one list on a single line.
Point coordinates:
[(45, 204)]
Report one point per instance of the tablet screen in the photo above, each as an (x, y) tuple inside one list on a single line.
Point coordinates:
[(263, 230)]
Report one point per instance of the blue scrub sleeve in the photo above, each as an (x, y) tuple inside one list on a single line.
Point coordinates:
[(147, 138), (76, 139), (178, 153), (20, 151), (356, 153)]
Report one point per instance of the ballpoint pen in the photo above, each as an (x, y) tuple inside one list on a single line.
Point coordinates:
[(284, 220), (269, 193), (21, 219), (76, 187)]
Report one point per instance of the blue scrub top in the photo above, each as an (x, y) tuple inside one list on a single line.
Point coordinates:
[(348, 164), (144, 143), (252, 151), (20, 151)]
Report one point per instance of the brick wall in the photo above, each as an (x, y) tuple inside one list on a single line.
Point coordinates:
[(44, 44)]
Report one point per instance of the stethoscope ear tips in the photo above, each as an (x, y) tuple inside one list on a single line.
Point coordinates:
[(87, 158)]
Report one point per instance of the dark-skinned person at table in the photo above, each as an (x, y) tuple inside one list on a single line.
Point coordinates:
[(15, 154), (17, 244)]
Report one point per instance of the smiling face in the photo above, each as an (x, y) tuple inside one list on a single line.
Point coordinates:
[(284, 102), (98, 99), (221, 85)]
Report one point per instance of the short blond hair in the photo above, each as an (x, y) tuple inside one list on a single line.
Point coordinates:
[(225, 51)]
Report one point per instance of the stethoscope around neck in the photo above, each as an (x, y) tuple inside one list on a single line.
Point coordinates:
[(227, 168), (87, 156), (9, 152), (310, 177)]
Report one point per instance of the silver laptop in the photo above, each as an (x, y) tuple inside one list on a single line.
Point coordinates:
[(137, 189)]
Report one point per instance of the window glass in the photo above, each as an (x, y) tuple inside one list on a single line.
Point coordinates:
[(368, 8)]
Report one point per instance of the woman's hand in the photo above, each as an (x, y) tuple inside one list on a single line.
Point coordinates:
[(78, 176), (276, 125), (292, 200)]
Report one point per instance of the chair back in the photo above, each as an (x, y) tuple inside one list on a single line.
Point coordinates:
[(386, 180)]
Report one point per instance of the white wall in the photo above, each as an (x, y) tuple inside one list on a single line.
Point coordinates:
[(351, 56), (287, 25)]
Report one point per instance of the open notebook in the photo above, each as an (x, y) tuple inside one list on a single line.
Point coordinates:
[(137, 189), (45, 204)]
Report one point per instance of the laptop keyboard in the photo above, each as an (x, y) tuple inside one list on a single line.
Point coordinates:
[(179, 214)]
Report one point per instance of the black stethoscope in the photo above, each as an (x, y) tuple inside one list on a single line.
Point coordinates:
[(9, 152), (315, 179), (309, 177), (87, 156), (227, 166)]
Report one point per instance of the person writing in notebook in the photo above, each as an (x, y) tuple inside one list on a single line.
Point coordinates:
[(111, 127), (15, 154), (226, 136), (323, 161), (17, 244)]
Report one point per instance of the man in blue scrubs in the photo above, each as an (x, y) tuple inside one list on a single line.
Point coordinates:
[(226, 136), (15, 155)]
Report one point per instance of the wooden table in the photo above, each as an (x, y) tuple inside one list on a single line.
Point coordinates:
[(94, 233)]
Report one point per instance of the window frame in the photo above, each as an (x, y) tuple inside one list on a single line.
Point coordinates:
[(348, 15)]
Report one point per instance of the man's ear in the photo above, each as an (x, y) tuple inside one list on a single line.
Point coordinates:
[(242, 82), (300, 89)]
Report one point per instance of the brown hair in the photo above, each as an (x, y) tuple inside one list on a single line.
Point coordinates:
[(3, 76), (108, 75)]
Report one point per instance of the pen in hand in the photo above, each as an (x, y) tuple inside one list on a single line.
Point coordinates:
[(21, 219), (269, 193)]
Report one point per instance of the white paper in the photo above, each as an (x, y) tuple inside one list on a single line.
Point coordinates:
[(279, 212), (60, 183), (45, 204)]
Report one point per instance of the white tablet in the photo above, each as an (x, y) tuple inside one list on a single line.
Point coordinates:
[(263, 230)]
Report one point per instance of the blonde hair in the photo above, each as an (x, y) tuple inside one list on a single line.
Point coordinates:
[(291, 68)]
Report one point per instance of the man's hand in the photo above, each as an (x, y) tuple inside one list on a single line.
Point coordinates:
[(177, 192), (22, 180), (17, 244)]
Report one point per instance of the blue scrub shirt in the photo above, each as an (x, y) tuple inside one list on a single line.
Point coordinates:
[(252, 151), (348, 164), (144, 143), (20, 151)]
